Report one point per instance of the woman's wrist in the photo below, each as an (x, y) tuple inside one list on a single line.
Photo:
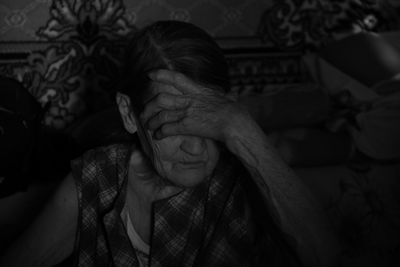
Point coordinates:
[(240, 126)]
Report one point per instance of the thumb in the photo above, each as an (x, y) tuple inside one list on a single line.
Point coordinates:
[(140, 164)]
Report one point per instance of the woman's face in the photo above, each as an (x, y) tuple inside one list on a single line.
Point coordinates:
[(185, 161)]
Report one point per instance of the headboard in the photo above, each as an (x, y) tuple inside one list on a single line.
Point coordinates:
[(74, 79)]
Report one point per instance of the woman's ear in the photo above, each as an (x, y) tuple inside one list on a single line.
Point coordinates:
[(125, 110)]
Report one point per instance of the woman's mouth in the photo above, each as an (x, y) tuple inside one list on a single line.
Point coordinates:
[(191, 164)]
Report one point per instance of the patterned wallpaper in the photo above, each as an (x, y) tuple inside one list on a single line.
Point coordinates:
[(309, 24), (66, 52), (20, 20)]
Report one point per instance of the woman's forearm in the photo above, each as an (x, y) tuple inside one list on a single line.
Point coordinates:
[(51, 237), (291, 202)]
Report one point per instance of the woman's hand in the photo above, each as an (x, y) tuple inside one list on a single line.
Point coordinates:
[(198, 111)]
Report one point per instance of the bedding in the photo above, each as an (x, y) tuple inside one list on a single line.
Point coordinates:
[(362, 200), (367, 57), (370, 113), (361, 196)]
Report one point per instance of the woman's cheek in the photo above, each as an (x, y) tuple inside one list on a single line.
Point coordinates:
[(164, 155)]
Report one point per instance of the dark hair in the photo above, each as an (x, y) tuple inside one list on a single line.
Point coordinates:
[(173, 45)]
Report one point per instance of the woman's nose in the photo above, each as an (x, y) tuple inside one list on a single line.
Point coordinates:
[(193, 145)]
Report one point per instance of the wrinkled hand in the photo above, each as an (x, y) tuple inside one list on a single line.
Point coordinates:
[(199, 111)]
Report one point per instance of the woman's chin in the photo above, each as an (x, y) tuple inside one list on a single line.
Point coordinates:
[(187, 178)]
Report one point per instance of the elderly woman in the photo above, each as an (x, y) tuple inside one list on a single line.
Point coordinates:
[(201, 187)]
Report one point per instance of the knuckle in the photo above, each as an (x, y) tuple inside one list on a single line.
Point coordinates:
[(182, 101), (162, 99), (165, 100), (163, 116), (163, 130), (185, 122), (178, 78)]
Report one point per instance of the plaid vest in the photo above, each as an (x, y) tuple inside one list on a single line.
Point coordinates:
[(206, 225)]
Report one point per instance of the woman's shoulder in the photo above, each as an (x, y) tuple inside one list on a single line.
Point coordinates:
[(110, 154), (108, 162), (113, 151)]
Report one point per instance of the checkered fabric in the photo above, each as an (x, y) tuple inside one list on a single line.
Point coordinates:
[(202, 226)]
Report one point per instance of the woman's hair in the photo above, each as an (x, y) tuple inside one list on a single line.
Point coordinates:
[(173, 45)]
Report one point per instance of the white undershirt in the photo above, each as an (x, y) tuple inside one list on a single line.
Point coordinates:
[(142, 248)]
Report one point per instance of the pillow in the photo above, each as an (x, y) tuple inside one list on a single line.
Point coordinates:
[(367, 57), (334, 81), (296, 105), (378, 131), (375, 130)]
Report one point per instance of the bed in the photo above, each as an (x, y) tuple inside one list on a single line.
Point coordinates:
[(351, 85)]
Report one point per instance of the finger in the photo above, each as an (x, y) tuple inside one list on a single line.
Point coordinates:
[(163, 101), (175, 79), (163, 117), (169, 101), (171, 129)]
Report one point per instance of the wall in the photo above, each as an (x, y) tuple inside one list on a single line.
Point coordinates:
[(21, 20)]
